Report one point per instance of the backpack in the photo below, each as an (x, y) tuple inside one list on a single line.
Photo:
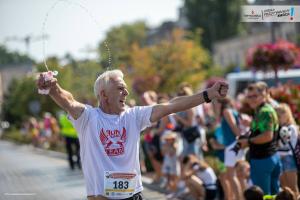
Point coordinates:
[(295, 150), (191, 134)]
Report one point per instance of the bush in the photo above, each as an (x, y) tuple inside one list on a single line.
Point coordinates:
[(16, 136)]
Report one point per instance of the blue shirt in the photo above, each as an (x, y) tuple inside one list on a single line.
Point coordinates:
[(228, 135)]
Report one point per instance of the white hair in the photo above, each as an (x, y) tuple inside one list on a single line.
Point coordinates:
[(103, 79)]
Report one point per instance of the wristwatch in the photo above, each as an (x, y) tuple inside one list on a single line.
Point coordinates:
[(205, 96)]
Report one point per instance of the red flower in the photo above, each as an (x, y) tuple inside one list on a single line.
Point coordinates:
[(281, 55), (289, 93)]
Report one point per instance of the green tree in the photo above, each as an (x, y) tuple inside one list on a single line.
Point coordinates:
[(83, 79), (119, 41), (163, 66), (65, 74), (77, 77), (218, 19), (21, 93), (8, 58)]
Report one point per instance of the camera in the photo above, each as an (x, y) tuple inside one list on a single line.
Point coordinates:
[(237, 147)]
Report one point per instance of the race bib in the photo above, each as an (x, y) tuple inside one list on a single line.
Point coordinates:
[(119, 184)]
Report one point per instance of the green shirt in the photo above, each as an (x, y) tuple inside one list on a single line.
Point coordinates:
[(67, 128), (265, 119)]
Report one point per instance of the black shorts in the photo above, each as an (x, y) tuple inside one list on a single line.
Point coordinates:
[(137, 196), (210, 194)]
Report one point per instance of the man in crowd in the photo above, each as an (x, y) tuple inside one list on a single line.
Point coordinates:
[(265, 165), (109, 134), (71, 140)]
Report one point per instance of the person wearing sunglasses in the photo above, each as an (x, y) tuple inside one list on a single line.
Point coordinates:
[(265, 165)]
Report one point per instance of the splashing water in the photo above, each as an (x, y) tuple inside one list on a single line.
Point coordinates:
[(89, 14), (109, 57)]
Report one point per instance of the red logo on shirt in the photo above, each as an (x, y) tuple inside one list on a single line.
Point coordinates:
[(113, 141)]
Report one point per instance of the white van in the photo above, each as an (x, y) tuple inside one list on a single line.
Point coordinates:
[(238, 81)]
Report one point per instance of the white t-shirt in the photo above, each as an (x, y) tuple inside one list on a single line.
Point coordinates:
[(110, 143), (285, 149), (208, 177), (200, 111)]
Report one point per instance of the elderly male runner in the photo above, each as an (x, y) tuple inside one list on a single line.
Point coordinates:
[(109, 135)]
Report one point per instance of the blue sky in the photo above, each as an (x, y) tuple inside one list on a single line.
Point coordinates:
[(69, 27)]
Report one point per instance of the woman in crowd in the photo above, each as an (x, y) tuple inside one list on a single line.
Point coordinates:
[(185, 120), (230, 130), (288, 177), (216, 144), (150, 98)]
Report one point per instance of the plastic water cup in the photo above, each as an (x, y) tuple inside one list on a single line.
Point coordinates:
[(48, 76)]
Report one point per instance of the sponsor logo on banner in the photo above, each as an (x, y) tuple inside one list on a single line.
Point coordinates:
[(271, 13)]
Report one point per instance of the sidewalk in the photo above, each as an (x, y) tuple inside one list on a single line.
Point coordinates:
[(27, 173)]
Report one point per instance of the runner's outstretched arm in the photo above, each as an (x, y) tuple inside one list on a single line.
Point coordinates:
[(61, 97), (218, 90)]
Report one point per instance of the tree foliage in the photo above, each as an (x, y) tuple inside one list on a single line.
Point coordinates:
[(119, 41), (163, 66), (76, 77), (21, 93), (83, 78), (9, 58), (218, 19)]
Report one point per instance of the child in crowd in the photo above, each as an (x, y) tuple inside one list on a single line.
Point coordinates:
[(200, 178), (254, 193), (243, 173), (170, 167)]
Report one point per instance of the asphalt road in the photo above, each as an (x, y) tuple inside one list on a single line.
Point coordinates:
[(27, 173)]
